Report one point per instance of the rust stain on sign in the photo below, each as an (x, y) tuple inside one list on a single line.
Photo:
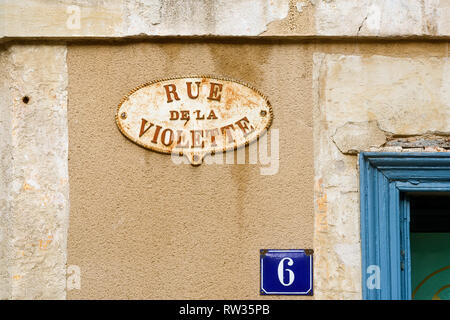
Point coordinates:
[(194, 116)]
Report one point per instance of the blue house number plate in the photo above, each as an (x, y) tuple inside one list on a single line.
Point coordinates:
[(287, 272)]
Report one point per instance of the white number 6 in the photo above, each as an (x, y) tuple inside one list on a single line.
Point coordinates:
[(281, 270)]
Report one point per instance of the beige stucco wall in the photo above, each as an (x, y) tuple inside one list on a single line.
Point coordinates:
[(69, 19), (144, 227), (34, 185)]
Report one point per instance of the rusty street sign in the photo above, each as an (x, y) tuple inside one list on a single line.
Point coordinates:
[(193, 116)]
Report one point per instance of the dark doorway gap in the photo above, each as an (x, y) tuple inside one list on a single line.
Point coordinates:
[(430, 212)]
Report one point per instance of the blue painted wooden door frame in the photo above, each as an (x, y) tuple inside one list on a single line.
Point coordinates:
[(385, 179)]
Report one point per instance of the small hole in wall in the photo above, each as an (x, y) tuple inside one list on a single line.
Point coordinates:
[(26, 99)]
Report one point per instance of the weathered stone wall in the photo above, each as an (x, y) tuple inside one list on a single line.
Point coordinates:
[(5, 171), (142, 226), (34, 204), (364, 95), (362, 102)]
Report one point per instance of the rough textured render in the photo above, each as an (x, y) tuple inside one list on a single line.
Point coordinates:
[(360, 102), (34, 204), (307, 18)]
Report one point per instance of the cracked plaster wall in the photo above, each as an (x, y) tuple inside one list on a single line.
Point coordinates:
[(144, 18), (361, 104), (34, 204)]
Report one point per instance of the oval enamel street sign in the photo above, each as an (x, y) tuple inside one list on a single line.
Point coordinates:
[(193, 116)]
